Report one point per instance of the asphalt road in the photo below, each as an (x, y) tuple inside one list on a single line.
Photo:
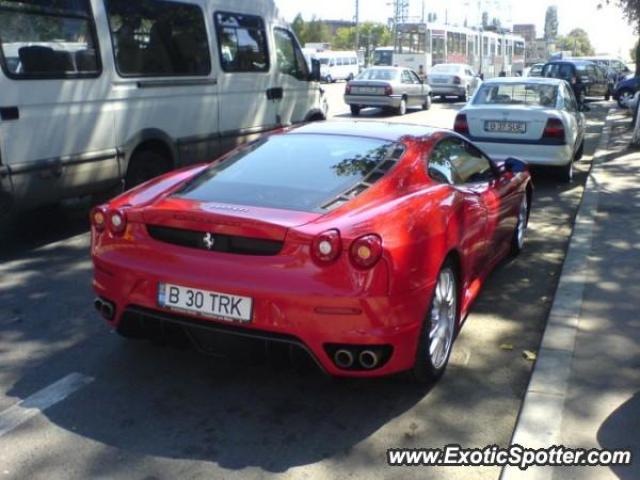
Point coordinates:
[(146, 411)]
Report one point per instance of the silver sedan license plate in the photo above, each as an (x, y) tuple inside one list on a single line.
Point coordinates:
[(205, 303), (499, 126)]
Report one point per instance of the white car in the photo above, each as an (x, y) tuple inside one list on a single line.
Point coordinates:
[(535, 119), (453, 80)]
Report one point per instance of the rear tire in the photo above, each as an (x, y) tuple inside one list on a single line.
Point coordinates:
[(402, 109), (565, 173), (355, 110), (427, 103), (144, 166), (579, 152), (439, 329)]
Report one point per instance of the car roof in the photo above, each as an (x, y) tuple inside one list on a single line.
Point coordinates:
[(536, 80), (568, 60), (388, 131)]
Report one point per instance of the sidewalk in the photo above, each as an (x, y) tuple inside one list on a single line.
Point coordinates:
[(585, 390)]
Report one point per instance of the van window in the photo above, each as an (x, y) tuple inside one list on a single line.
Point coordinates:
[(242, 41), (158, 38), (48, 39), (290, 58)]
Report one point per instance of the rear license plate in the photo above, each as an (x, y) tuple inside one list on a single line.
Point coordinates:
[(368, 90), (505, 127), (205, 303)]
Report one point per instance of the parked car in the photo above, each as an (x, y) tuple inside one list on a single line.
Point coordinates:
[(585, 78), (336, 66), (625, 90), (389, 88), (537, 117), (363, 244), (453, 80), (535, 70), (100, 92)]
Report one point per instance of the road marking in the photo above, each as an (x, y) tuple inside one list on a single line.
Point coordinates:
[(37, 403)]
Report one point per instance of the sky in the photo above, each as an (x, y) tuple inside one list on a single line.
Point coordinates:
[(608, 29)]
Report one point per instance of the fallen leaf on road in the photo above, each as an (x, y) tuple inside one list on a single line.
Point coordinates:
[(506, 346), (529, 356)]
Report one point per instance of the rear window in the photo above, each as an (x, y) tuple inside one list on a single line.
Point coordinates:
[(517, 94), (446, 69), (378, 74), (303, 172), (48, 39)]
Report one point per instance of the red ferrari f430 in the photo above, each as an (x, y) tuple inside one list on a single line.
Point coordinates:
[(364, 244)]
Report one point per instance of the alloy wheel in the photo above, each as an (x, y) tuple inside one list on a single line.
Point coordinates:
[(443, 319)]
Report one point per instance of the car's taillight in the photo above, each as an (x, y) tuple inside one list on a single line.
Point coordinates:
[(388, 90), (461, 125), (366, 251), (117, 221), (457, 80), (554, 129), (326, 247), (98, 218), (347, 89)]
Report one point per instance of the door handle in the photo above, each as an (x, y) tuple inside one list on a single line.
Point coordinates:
[(276, 93), (9, 113)]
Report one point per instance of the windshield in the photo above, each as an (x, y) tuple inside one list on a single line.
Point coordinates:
[(301, 172), (378, 74), (445, 69), (517, 94), (383, 58), (324, 61)]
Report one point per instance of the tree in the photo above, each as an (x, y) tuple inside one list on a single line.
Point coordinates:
[(298, 25), (631, 9), (551, 24), (577, 41), (485, 20), (315, 31)]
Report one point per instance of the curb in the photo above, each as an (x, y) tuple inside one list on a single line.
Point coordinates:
[(540, 419)]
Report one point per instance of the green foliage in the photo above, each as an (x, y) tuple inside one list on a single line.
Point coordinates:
[(551, 23), (314, 31), (577, 41), (631, 9)]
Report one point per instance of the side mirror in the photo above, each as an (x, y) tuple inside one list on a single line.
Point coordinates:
[(513, 165), (315, 75)]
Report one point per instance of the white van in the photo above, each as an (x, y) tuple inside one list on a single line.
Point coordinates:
[(96, 93), (336, 66)]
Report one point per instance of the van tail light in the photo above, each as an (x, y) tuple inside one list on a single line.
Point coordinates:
[(98, 218), (347, 89), (326, 247), (554, 129), (388, 90), (461, 125), (117, 221), (457, 80), (366, 251)]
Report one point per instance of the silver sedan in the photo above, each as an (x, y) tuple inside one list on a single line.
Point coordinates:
[(389, 88), (453, 80)]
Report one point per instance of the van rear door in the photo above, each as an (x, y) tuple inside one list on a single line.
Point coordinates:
[(58, 139)]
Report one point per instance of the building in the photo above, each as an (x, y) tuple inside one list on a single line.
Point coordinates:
[(527, 31)]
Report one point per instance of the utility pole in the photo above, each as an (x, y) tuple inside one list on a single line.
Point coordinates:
[(357, 26)]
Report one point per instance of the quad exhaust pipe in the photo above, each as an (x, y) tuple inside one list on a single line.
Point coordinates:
[(344, 359), (105, 308), (365, 360), (368, 359)]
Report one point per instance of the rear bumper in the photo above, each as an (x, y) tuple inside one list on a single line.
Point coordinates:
[(452, 90), (551, 155), (287, 306), (392, 101)]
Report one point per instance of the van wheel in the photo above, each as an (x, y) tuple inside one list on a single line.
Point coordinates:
[(144, 166), (355, 110)]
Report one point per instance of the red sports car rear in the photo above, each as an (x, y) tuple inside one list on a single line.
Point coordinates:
[(363, 244)]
